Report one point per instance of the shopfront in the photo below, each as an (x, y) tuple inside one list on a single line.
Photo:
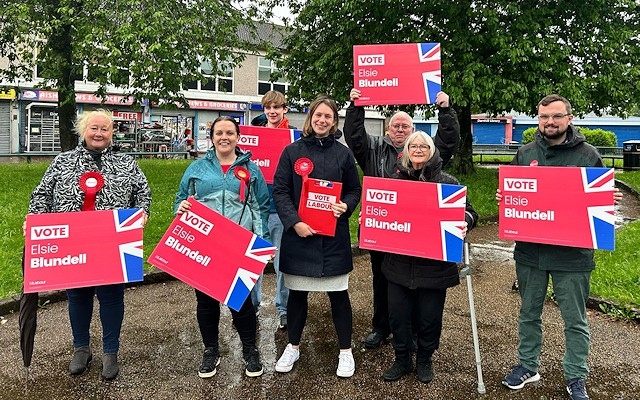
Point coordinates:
[(39, 117), (6, 101)]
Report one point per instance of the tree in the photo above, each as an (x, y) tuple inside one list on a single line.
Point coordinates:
[(497, 56), (148, 48)]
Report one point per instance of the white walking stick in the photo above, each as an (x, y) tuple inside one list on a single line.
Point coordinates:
[(466, 272)]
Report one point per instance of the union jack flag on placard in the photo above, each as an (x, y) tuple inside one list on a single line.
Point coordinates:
[(432, 75), (566, 206), (405, 73), (219, 258), (79, 249), (421, 219)]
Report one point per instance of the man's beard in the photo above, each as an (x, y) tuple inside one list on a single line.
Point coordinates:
[(552, 136)]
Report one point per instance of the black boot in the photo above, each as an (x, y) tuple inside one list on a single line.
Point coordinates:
[(400, 367), (81, 360), (424, 371)]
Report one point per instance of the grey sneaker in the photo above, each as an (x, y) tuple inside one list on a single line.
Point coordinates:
[(520, 376), (210, 360), (283, 322), (576, 389)]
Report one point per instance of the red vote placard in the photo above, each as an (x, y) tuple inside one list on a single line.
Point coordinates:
[(212, 254), (567, 206), (407, 73), (266, 145), (79, 249), (419, 219), (315, 205)]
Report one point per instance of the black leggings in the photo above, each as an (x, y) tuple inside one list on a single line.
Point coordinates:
[(297, 308), (208, 313)]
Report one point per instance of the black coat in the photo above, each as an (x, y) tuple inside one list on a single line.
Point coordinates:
[(417, 272), (316, 255)]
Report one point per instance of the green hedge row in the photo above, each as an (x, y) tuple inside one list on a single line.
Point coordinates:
[(595, 137)]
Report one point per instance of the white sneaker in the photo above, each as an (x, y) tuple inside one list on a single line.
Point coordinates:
[(346, 364), (287, 359)]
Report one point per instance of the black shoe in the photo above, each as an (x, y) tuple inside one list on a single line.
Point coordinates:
[(80, 361), (397, 370), (374, 339), (110, 367), (283, 322), (210, 360), (254, 366), (424, 372)]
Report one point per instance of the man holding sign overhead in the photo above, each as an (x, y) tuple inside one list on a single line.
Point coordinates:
[(377, 156)]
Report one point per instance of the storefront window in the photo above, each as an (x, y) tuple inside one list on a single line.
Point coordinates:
[(265, 69)]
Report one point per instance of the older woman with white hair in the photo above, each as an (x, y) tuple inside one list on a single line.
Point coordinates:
[(418, 286)]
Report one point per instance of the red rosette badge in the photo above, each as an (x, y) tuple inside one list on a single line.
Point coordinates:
[(90, 183), (303, 167), (243, 175)]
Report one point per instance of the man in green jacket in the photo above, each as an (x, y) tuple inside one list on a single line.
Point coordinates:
[(557, 143)]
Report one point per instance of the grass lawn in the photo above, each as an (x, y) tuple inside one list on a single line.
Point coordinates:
[(617, 276)]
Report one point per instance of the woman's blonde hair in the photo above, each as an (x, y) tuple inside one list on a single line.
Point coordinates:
[(83, 120), (404, 160), (307, 129)]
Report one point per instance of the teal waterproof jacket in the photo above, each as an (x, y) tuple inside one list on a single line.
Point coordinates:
[(205, 181), (576, 152)]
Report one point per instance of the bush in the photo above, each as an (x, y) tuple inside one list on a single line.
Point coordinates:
[(595, 137)]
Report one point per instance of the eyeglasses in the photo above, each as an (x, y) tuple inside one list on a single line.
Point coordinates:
[(403, 126), (555, 117), (422, 147)]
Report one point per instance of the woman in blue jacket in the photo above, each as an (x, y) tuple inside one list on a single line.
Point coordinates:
[(215, 181)]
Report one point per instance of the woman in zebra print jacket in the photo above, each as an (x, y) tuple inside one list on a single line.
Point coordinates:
[(125, 186)]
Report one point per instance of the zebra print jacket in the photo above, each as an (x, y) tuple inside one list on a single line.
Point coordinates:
[(125, 185)]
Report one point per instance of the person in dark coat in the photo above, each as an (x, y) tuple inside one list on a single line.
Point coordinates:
[(377, 156), (312, 262), (418, 286)]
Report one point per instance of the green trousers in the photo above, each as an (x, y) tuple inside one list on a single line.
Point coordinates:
[(571, 290)]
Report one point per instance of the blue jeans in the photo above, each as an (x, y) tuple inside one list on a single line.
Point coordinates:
[(111, 298), (282, 292)]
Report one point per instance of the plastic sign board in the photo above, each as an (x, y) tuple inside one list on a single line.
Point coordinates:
[(79, 249), (566, 206), (421, 219), (315, 205), (266, 145), (212, 254), (407, 73)]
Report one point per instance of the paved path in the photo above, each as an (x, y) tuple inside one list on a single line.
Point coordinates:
[(161, 348)]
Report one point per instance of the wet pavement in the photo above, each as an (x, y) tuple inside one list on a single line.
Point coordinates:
[(161, 347)]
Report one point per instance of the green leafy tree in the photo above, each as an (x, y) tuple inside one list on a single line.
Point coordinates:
[(497, 56), (148, 48)]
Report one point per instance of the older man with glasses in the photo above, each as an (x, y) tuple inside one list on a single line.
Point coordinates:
[(377, 156)]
